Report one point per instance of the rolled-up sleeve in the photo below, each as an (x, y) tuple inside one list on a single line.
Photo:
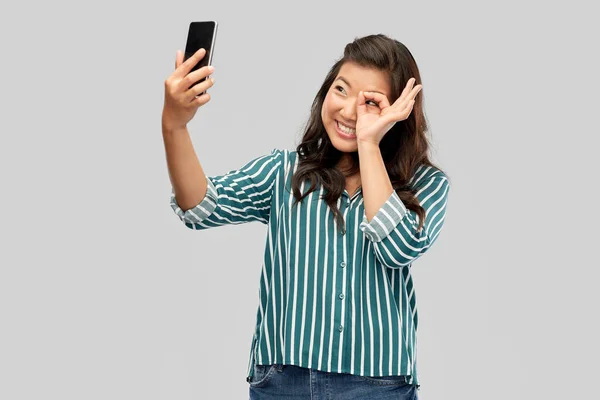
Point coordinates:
[(237, 197), (393, 230)]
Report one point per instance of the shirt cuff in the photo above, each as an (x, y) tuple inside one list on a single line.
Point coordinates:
[(386, 220), (203, 210)]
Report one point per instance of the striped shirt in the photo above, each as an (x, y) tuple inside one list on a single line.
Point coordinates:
[(328, 300)]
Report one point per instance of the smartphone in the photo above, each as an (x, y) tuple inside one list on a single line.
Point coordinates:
[(201, 34)]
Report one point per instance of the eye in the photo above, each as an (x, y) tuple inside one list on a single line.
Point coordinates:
[(339, 87), (372, 101)]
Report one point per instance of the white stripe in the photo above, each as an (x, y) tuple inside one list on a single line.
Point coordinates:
[(333, 290), (354, 264), (262, 315), (380, 341), (362, 313), (306, 266), (288, 241), (405, 316), (274, 167), (315, 280), (441, 209), (400, 321), (268, 283), (248, 168), (325, 273), (296, 267), (389, 314), (371, 372), (438, 232), (346, 298), (421, 172)]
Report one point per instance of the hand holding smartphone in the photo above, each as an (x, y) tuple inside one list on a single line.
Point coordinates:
[(183, 87), (201, 34)]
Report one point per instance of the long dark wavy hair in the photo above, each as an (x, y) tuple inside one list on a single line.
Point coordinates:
[(404, 147)]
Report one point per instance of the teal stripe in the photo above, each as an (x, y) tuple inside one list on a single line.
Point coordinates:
[(308, 263)]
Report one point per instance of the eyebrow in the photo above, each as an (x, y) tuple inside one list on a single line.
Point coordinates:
[(341, 78)]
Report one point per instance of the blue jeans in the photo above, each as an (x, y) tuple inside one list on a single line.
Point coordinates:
[(277, 381)]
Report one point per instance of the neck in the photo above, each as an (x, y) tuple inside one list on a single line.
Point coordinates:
[(345, 164)]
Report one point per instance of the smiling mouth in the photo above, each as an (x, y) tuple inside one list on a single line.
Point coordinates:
[(345, 130)]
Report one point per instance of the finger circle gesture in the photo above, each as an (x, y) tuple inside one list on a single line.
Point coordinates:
[(376, 119)]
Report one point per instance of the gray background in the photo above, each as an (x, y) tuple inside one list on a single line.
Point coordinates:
[(104, 294)]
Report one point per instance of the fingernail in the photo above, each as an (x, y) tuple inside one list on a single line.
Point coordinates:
[(211, 68)]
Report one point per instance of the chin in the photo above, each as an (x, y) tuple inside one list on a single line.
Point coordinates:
[(345, 148)]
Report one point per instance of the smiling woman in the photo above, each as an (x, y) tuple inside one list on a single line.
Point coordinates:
[(340, 105), (348, 213), (374, 71)]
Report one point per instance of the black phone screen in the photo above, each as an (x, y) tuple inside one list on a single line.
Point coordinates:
[(200, 35)]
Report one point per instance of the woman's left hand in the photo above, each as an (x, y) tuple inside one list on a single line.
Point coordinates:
[(372, 122)]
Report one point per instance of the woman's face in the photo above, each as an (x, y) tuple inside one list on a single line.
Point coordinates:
[(339, 106)]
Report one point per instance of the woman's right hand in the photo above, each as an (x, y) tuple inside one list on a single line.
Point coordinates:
[(181, 102)]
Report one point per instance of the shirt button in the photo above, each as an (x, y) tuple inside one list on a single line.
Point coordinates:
[(342, 296), (343, 264), (340, 328)]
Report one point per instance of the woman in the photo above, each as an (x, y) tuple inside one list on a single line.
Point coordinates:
[(348, 212)]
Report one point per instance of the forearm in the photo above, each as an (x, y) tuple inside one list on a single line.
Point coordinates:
[(185, 171), (376, 184)]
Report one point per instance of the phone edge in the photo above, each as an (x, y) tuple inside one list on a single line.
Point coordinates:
[(212, 43)]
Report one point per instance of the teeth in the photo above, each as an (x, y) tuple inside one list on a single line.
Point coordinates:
[(345, 129)]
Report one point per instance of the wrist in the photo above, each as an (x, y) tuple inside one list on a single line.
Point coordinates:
[(169, 131), (170, 121), (169, 127), (366, 145)]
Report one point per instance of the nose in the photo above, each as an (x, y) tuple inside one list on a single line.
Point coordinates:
[(349, 109)]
